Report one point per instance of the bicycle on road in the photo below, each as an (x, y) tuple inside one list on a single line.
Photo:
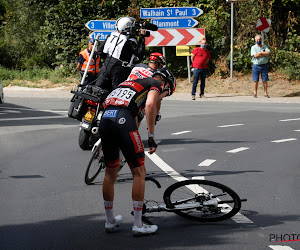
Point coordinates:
[(199, 200), (96, 163)]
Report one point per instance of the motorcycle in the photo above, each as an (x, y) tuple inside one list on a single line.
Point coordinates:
[(86, 106)]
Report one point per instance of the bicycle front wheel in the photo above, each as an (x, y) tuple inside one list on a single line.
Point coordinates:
[(202, 200), (95, 166)]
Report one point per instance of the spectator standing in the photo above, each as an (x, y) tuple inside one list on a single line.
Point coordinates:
[(260, 57), (200, 57), (93, 68)]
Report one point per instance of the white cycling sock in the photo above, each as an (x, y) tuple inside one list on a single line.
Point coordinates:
[(137, 213), (109, 212)]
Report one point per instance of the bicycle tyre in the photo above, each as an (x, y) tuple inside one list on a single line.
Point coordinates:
[(96, 164), (203, 213)]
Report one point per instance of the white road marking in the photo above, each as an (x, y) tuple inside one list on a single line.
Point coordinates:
[(287, 120), (54, 111), (277, 247), (165, 167), (206, 163), (173, 149), (231, 125), (4, 112), (182, 132), (6, 109), (198, 178), (242, 219), (238, 218), (237, 150), (9, 108), (33, 118), (21, 129), (285, 140), (298, 130)]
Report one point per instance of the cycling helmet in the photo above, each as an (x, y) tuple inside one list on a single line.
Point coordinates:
[(169, 79), (157, 58), (126, 25)]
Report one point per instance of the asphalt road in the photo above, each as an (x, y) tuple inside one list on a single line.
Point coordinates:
[(251, 147)]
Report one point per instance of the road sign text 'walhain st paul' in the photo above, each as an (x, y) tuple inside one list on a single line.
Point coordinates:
[(170, 12)]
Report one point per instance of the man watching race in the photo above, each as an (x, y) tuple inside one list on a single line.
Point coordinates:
[(118, 130)]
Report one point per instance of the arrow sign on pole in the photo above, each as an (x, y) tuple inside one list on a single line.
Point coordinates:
[(174, 37), (170, 12), (263, 24), (175, 23), (101, 25), (102, 34)]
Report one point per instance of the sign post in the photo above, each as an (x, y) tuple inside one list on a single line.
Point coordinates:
[(170, 12), (175, 23), (186, 51), (166, 18), (263, 25), (101, 27), (231, 30)]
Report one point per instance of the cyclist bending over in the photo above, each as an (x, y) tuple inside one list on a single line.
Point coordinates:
[(141, 71), (118, 130)]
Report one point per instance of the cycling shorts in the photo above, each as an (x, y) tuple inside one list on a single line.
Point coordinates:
[(118, 130)]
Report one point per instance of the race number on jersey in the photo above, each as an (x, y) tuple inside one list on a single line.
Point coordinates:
[(119, 97)]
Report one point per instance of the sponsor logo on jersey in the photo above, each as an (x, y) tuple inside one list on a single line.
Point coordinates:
[(141, 98), (140, 73), (112, 113), (122, 120), (132, 84), (136, 139)]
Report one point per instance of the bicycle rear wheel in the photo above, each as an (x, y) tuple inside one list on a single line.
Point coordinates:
[(95, 166), (202, 200)]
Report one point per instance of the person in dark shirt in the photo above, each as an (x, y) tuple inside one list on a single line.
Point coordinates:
[(120, 48), (118, 131)]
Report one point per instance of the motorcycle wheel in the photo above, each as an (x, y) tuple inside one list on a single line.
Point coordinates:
[(84, 139)]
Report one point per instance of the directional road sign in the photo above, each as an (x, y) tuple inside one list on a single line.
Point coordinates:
[(101, 25), (170, 12), (102, 34), (184, 50), (263, 24), (175, 23), (174, 37)]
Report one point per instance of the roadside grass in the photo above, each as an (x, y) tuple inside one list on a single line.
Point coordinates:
[(36, 78)]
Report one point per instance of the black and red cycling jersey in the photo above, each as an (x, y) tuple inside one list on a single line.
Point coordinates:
[(133, 94)]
